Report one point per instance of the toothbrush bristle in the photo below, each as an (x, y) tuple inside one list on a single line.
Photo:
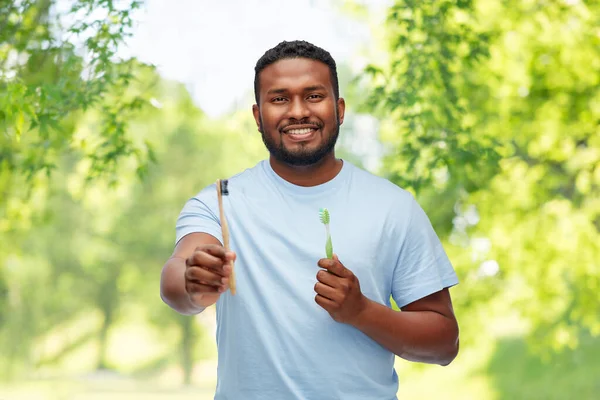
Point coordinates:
[(224, 189), (324, 215)]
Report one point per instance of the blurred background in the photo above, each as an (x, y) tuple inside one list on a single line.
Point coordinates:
[(114, 113)]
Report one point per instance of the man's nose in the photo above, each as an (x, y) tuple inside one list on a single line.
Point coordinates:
[(298, 109)]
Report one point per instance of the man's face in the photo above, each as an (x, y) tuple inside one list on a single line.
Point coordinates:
[(297, 114)]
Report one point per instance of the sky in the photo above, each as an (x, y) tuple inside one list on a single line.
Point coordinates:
[(212, 46)]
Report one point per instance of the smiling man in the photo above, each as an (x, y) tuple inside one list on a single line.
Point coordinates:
[(301, 111), (302, 326)]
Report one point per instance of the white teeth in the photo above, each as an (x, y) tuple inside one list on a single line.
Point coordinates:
[(299, 131)]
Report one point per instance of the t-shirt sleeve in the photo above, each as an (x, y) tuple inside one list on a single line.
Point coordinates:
[(200, 214), (423, 266)]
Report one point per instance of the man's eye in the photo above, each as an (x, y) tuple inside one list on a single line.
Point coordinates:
[(315, 96), (278, 99)]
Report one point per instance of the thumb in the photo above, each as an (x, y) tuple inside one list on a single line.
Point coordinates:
[(335, 257)]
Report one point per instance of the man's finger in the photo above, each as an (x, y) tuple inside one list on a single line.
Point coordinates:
[(326, 291), (219, 251), (198, 288), (204, 276), (329, 279), (213, 249), (204, 259), (324, 302), (334, 266)]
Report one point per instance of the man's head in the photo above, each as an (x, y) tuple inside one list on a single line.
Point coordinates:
[(295, 49), (298, 110)]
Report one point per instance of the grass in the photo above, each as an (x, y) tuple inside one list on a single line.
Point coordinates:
[(498, 368), (516, 373), (506, 370), (101, 388)]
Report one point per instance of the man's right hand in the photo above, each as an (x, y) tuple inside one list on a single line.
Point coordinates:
[(207, 273)]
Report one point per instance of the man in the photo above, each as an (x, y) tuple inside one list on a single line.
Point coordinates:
[(302, 326)]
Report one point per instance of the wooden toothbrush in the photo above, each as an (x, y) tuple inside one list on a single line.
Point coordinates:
[(222, 190)]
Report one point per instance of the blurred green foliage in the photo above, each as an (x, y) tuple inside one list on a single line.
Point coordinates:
[(54, 65), (490, 113), (491, 110)]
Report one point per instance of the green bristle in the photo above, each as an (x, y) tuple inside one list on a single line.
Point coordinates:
[(324, 215)]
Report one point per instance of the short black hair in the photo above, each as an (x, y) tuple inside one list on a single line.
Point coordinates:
[(295, 49)]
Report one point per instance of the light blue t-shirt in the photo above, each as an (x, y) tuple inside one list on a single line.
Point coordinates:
[(274, 341)]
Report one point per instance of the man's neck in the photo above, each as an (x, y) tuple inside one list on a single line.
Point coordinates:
[(311, 175)]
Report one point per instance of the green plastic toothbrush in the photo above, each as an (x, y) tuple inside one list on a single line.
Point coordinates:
[(324, 217)]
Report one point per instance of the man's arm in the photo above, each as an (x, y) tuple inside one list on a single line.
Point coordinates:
[(172, 281), (424, 331)]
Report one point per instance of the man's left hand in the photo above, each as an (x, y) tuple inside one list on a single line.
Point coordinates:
[(338, 291)]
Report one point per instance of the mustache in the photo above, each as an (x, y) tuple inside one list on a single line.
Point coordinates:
[(291, 122)]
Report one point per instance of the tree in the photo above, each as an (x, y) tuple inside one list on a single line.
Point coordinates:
[(56, 65), (491, 111)]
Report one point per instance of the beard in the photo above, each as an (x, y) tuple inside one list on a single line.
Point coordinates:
[(303, 156)]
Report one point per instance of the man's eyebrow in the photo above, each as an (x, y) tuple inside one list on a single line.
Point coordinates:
[(306, 89), (316, 87), (277, 91)]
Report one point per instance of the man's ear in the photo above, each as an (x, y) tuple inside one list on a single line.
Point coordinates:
[(341, 109), (256, 113)]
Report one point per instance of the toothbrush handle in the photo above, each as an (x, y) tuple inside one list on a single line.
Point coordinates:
[(329, 248)]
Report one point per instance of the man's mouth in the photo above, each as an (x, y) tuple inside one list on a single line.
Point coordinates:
[(301, 133)]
